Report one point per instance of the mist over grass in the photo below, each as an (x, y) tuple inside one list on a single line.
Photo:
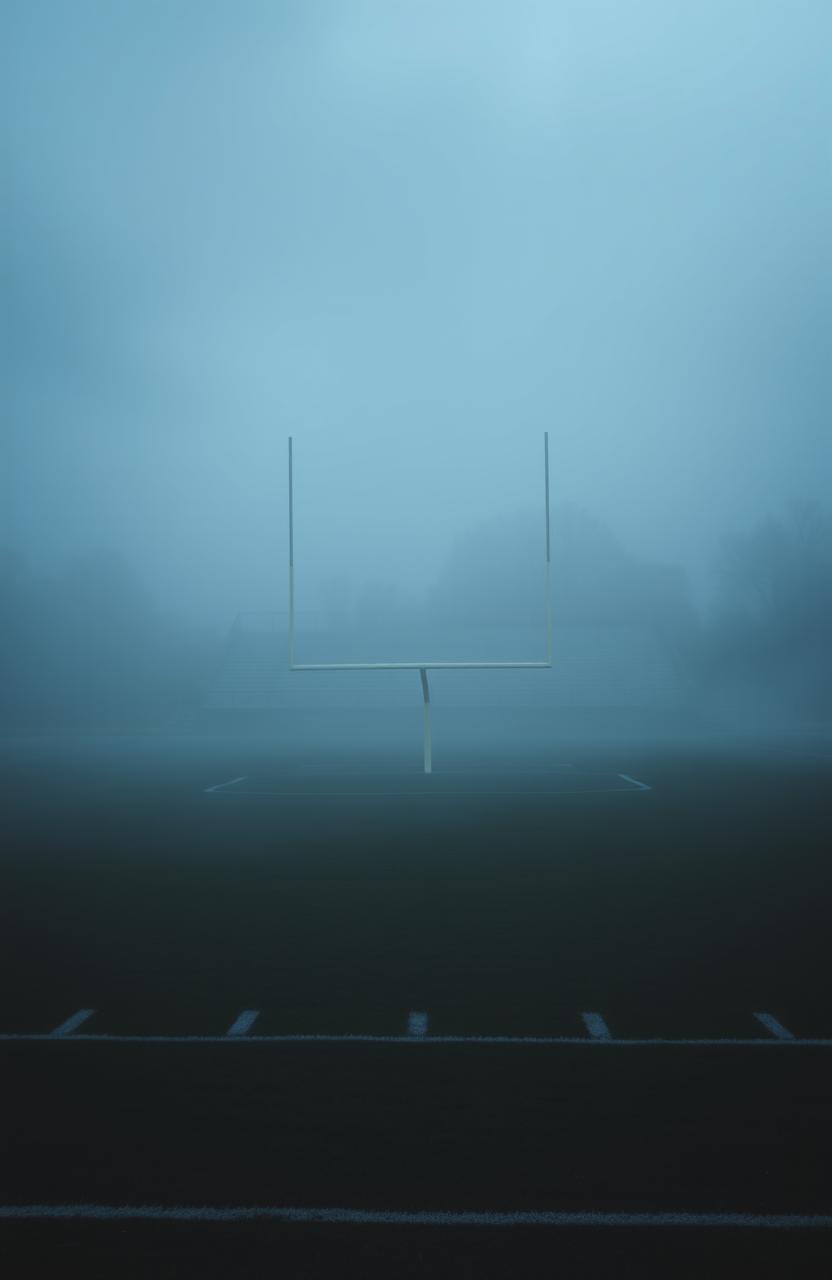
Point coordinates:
[(767, 648), (86, 645)]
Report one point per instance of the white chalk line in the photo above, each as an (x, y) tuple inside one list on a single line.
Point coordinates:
[(225, 788), (640, 786), (437, 794), (758, 1042), (596, 1026), (221, 786), (243, 1023), (776, 1028), (414, 1218), (449, 773), (72, 1024)]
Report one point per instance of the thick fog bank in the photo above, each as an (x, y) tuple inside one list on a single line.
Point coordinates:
[(767, 648), (87, 646), (415, 235)]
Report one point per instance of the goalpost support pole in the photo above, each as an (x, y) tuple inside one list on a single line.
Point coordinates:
[(426, 713), (548, 580), (291, 564)]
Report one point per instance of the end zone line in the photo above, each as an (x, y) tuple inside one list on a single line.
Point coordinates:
[(644, 1042), (220, 786), (417, 1218), (428, 793)]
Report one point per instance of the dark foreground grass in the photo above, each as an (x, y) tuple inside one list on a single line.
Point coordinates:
[(676, 912)]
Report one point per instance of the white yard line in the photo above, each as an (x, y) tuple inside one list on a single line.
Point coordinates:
[(72, 1024), (417, 1024), (417, 1218), (243, 1024), (429, 792), (776, 1028), (640, 786), (427, 789), (221, 786), (596, 1026)]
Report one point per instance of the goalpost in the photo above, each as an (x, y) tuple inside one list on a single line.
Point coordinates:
[(423, 667)]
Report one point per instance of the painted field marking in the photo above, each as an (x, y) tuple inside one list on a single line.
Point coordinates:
[(417, 1024), (222, 786), (72, 1024), (430, 793), (776, 1028), (596, 1026), (640, 786), (449, 773), (243, 1023), (416, 1218), (227, 788), (584, 1042)]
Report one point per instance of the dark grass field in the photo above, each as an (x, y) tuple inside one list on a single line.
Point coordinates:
[(335, 896)]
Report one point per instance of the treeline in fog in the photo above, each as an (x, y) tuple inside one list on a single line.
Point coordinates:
[(87, 644), (768, 643)]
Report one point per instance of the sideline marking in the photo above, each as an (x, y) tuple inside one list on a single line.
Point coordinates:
[(417, 1024), (243, 1023), (640, 786), (72, 1024), (776, 1028), (758, 1042), (418, 1218), (220, 786), (596, 1026)]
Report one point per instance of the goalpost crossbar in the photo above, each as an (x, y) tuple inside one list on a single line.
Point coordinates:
[(421, 666)]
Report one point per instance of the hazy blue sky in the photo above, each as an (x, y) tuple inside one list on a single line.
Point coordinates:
[(414, 235)]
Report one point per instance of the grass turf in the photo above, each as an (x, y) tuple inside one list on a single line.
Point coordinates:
[(674, 912)]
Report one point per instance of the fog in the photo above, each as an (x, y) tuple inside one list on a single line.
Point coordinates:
[(415, 236)]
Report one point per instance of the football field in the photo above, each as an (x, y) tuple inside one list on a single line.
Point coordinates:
[(269, 1011)]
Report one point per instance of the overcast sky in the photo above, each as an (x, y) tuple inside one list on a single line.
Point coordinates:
[(415, 235)]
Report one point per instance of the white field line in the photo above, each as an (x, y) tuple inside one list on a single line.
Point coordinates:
[(596, 1026), (644, 1042), (72, 1024), (639, 786), (417, 1218), (242, 1024), (417, 1024), (222, 786), (452, 773), (226, 788), (776, 1028), (438, 794)]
